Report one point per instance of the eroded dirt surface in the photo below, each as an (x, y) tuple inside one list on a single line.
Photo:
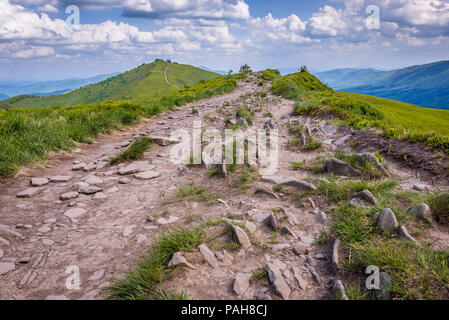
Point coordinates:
[(117, 225)]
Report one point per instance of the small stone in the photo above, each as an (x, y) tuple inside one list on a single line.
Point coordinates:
[(140, 238), (297, 275), (271, 221), (79, 166), (47, 242), (264, 297), (61, 178), (10, 231), (4, 242), (208, 255), (163, 141), (383, 293), (312, 270), (147, 175), (136, 167), (281, 287), (267, 192), (90, 167), (89, 190), (241, 236), (366, 196), (300, 248), (44, 229), (280, 247), (29, 193), (6, 267), (113, 190), (287, 230), (241, 283), (128, 230), (68, 196), (284, 181), (403, 232), (39, 182), (97, 275), (335, 254), (423, 212), (93, 180), (75, 213), (178, 260), (100, 196), (387, 221), (341, 168), (1, 253), (124, 181), (420, 187), (338, 291)]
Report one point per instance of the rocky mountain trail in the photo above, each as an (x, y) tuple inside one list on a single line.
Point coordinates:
[(78, 212)]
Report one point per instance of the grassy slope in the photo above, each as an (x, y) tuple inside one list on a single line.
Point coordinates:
[(408, 115), (142, 83)]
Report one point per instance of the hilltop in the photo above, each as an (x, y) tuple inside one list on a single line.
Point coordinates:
[(142, 83), (424, 85)]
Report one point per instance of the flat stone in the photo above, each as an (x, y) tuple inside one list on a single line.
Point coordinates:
[(4, 242), (208, 255), (313, 272), (170, 220), (283, 181), (140, 238), (387, 221), (420, 187), (93, 180), (9, 231), (57, 298), (75, 213), (241, 283), (135, 167), (365, 196), (271, 221), (124, 181), (280, 247), (128, 230), (100, 196), (68, 196), (298, 277), (79, 166), (90, 167), (113, 190), (163, 141), (301, 248), (147, 175), (6, 267), (47, 242), (39, 182), (29, 193), (61, 178), (89, 190), (267, 192), (97, 275), (335, 254), (44, 229), (1, 253)]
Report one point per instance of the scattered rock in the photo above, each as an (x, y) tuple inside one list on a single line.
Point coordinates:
[(128, 230), (178, 260), (265, 191), (39, 182), (208, 255), (335, 254), (365, 196), (100, 196), (58, 179), (56, 298), (78, 166), (135, 167), (124, 181), (68, 196), (93, 180), (47, 242), (90, 167), (163, 141), (241, 283), (287, 230), (75, 213), (420, 187), (300, 248), (9, 231), (163, 221), (271, 221), (283, 181), (89, 190), (97, 275), (341, 168), (1, 253), (312, 270), (29, 193), (422, 211), (240, 235), (6, 267), (140, 238), (297, 275), (403, 232), (44, 229), (387, 221), (280, 247), (147, 175), (383, 293), (4, 242), (338, 291), (367, 157), (281, 287)]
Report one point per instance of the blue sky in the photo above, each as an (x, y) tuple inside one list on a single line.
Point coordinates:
[(36, 43)]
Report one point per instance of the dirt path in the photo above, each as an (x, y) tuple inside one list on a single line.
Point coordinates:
[(104, 234), (166, 78)]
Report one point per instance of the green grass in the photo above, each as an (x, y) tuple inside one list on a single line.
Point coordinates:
[(27, 136), (296, 85), (142, 83), (134, 152), (270, 74), (195, 193), (143, 284), (440, 207)]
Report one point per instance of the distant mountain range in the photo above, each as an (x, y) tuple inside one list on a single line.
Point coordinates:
[(423, 85), (139, 84), (47, 88)]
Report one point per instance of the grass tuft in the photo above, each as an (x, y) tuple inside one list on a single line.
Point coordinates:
[(134, 152)]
